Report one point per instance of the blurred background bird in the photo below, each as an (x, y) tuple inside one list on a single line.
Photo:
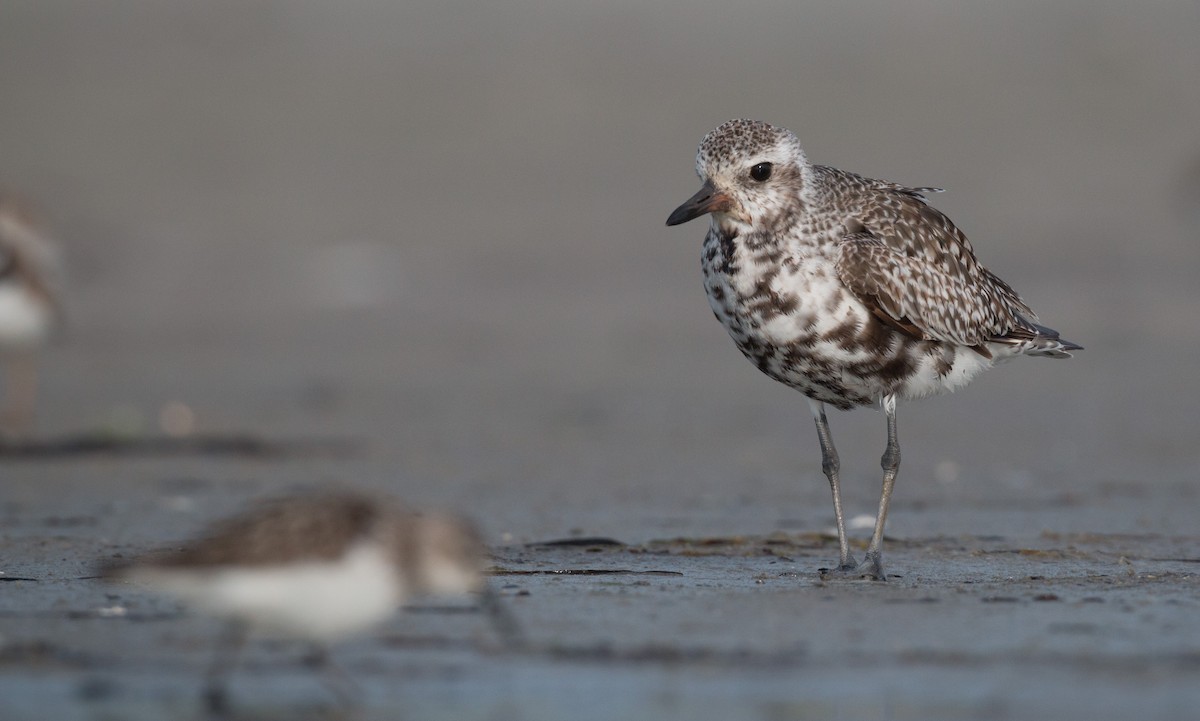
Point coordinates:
[(318, 568), (30, 307)]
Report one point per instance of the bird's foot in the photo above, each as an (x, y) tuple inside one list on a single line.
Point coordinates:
[(871, 568), (216, 701), (846, 569)]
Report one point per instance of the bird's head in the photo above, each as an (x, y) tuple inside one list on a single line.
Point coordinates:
[(450, 556), (752, 174)]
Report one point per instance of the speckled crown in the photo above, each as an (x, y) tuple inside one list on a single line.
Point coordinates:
[(738, 139)]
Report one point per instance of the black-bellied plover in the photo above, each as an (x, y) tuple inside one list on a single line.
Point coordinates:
[(316, 567), (29, 305), (851, 290)]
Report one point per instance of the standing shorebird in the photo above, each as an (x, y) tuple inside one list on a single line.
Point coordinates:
[(853, 291), (29, 306), (317, 568)]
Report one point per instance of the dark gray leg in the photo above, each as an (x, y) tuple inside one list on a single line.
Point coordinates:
[(503, 622), (216, 698), (830, 465), (873, 564), (344, 688)]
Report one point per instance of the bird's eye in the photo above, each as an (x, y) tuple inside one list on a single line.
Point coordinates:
[(761, 172)]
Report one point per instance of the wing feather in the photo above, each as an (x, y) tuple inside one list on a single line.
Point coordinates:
[(914, 269), (917, 271), (924, 300)]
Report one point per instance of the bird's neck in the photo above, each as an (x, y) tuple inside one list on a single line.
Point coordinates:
[(729, 226)]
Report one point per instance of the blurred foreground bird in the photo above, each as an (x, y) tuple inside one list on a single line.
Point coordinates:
[(853, 291), (317, 568), (29, 306)]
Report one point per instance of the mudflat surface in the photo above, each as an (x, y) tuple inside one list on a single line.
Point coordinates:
[(710, 628), (420, 250)]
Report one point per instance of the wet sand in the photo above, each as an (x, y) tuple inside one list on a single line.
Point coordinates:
[(966, 627), (359, 255)]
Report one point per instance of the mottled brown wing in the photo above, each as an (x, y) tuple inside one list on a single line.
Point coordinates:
[(901, 219), (929, 300), (308, 527), (28, 254), (916, 270)]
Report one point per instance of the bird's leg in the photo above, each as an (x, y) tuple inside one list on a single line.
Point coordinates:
[(830, 465), (872, 565), (503, 621), (216, 697), (340, 684), (21, 391)]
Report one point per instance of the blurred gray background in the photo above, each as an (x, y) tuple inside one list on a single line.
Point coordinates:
[(439, 227), (437, 230)]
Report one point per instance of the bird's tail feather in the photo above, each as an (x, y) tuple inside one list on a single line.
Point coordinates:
[(1045, 342), (1037, 340)]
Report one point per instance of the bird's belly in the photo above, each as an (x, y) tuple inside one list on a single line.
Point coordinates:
[(24, 321), (321, 600), (800, 326)]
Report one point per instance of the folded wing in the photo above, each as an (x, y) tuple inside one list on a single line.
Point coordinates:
[(917, 272)]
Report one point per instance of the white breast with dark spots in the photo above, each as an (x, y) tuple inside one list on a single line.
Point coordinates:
[(789, 314)]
